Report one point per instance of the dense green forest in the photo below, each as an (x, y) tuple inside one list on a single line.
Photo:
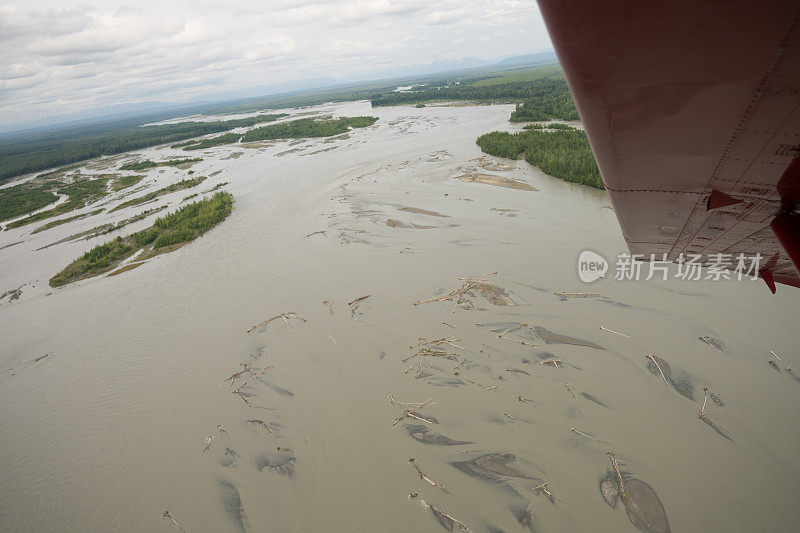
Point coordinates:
[(184, 225), (551, 126), (553, 103), (307, 127), (27, 156), (183, 184), (564, 153)]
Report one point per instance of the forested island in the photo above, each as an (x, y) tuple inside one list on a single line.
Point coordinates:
[(293, 129), (202, 144), (144, 165), (307, 127), (557, 104), (60, 149), (564, 153), (166, 233)]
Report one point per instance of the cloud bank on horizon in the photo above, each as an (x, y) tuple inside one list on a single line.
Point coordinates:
[(57, 58)]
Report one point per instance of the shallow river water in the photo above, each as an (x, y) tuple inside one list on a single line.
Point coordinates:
[(111, 428)]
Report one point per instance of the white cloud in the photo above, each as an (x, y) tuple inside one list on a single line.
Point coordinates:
[(57, 58)]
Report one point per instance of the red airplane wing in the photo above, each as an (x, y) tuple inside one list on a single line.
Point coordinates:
[(692, 109)]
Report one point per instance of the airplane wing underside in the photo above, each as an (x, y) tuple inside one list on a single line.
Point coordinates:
[(692, 109)]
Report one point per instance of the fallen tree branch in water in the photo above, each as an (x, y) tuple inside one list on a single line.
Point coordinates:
[(653, 359), (510, 416), (525, 400), (244, 399), (208, 443), (235, 376), (264, 425), (702, 411), (328, 305), (441, 514), (543, 488), (353, 304), (166, 514), (457, 296), (551, 361), (615, 466), (706, 340), (612, 331), (569, 389), (434, 343), (578, 294), (484, 387), (582, 433), (509, 330), (254, 376), (415, 405), (284, 316), (523, 342), (409, 413), (449, 296), (429, 348), (426, 478), (317, 233)]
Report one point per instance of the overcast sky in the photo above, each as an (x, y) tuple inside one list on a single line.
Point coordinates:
[(59, 58)]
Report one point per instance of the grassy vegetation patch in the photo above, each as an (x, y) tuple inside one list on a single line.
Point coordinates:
[(219, 140), (60, 221), (139, 165), (307, 127), (123, 182), (80, 193), (144, 165), (105, 228), (183, 184), (172, 230), (564, 154), (24, 198)]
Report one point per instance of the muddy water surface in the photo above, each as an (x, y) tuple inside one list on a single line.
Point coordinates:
[(120, 421)]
